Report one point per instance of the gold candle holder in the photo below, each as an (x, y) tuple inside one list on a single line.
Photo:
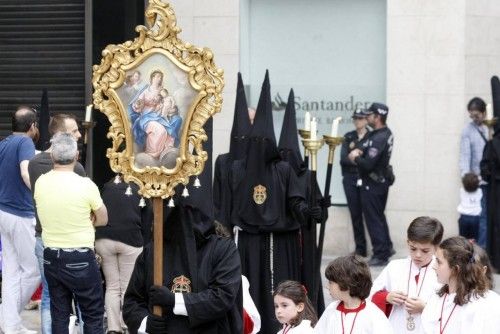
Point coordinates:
[(332, 143), (490, 123), (313, 146)]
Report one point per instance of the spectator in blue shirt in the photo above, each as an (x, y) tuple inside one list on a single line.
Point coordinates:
[(473, 140), (17, 222)]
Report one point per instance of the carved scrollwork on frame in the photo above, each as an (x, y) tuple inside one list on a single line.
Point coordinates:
[(157, 92)]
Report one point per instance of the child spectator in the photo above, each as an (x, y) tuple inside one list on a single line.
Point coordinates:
[(404, 286), (460, 306), (349, 283), (293, 308), (469, 207)]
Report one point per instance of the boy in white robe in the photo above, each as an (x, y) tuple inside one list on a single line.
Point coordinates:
[(405, 285), (349, 283)]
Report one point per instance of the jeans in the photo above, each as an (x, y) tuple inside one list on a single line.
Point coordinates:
[(468, 226), (483, 220), (75, 273), (46, 321)]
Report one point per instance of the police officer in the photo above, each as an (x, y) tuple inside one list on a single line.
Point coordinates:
[(351, 178), (376, 177)]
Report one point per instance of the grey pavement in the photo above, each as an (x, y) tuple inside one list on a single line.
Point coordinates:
[(32, 318)]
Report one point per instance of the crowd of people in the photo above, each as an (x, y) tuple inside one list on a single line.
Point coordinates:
[(241, 257)]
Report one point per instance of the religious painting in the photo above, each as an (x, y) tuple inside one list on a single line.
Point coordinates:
[(156, 97), (157, 92)]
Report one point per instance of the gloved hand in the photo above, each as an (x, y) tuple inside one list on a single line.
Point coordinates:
[(314, 212), (156, 325), (161, 296), (325, 202)]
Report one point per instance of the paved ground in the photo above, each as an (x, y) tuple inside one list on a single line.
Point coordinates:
[(32, 318)]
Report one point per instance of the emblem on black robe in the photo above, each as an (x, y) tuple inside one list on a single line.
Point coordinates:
[(181, 284), (259, 194), (351, 145)]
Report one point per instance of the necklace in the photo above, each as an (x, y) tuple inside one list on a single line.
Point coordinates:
[(287, 328), (441, 327), (410, 321)]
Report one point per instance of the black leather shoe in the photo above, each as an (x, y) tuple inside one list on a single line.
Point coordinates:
[(376, 262)]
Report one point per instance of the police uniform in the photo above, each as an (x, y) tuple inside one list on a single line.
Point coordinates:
[(376, 176), (352, 184)]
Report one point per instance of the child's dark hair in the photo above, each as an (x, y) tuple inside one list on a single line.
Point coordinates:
[(476, 103), (352, 274), (468, 273), (470, 181), (481, 257), (298, 294), (425, 229)]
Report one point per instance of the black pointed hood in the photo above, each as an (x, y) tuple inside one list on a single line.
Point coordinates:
[(262, 153), (495, 92), (289, 139), (241, 123), (263, 124), (43, 123)]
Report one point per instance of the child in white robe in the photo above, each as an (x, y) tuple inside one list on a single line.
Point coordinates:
[(464, 304), (349, 283), (293, 308), (405, 285)]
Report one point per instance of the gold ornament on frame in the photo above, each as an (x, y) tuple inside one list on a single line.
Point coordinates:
[(157, 92)]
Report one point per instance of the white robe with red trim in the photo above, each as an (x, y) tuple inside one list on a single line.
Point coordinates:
[(394, 277), (303, 328), (479, 316), (369, 320)]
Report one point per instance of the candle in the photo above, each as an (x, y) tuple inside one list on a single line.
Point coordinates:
[(335, 127), (313, 128), (489, 111), (88, 113), (307, 121)]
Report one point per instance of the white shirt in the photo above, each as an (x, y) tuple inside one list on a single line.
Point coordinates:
[(479, 316), (470, 203), (370, 320), (397, 276), (303, 328)]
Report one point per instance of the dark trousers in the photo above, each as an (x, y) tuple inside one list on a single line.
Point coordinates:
[(374, 198), (353, 196), (75, 273), (468, 226)]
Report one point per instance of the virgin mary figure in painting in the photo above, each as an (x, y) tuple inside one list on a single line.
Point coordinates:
[(155, 124)]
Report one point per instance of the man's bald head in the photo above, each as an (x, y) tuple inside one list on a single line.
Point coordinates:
[(23, 119)]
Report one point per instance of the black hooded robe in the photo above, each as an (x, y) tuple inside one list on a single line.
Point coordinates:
[(213, 306), (490, 172), (270, 251)]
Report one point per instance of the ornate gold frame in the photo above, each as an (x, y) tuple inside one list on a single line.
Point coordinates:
[(204, 77)]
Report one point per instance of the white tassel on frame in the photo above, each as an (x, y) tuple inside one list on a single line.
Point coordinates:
[(128, 191), (142, 202), (185, 192), (117, 179), (171, 203), (197, 183)]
